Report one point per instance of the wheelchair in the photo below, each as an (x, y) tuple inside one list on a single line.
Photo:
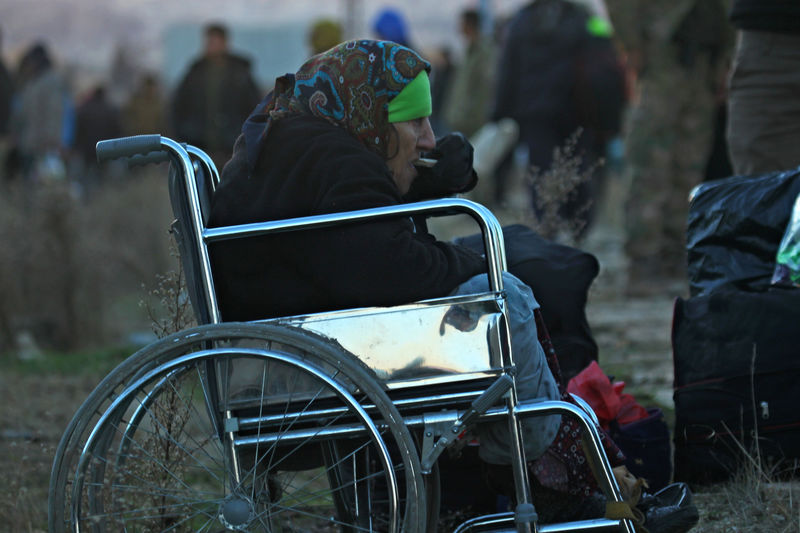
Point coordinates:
[(323, 422)]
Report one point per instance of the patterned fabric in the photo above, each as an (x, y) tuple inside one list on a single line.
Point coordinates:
[(349, 85), (564, 467)]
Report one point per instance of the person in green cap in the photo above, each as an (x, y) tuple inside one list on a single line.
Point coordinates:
[(344, 133)]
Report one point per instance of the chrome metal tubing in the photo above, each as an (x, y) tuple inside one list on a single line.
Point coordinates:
[(207, 162), (591, 437), (337, 430), (518, 462), (197, 224), (504, 523), (490, 227), (255, 421), (595, 526), (496, 523), (295, 436), (601, 467)]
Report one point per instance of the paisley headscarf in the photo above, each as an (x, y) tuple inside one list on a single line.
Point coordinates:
[(350, 86)]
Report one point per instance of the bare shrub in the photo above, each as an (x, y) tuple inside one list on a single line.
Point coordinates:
[(173, 310), (70, 265), (555, 187), (42, 275)]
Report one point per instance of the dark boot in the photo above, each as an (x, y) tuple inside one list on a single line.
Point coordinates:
[(669, 510)]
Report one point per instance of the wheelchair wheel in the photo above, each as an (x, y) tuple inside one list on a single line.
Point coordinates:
[(241, 427)]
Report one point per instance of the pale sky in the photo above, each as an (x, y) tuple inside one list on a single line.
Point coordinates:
[(164, 35), (89, 28)]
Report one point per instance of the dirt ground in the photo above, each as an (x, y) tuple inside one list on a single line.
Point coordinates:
[(35, 410)]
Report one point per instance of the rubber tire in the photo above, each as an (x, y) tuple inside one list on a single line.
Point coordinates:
[(318, 350)]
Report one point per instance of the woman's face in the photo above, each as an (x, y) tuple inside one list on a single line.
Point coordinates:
[(413, 137)]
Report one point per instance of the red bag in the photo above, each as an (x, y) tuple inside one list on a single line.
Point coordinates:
[(606, 398)]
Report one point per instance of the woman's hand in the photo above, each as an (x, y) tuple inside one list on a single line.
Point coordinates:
[(453, 169), (452, 173)]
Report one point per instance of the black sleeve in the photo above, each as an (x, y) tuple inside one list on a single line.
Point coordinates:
[(382, 262)]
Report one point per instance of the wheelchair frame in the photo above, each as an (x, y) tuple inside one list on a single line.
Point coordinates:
[(434, 395)]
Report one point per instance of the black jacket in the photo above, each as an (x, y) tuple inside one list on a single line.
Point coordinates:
[(212, 101), (536, 73), (766, 15), (308, 167)]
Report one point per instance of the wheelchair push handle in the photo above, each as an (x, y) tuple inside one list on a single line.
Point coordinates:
[(137, 145), (160, 156)]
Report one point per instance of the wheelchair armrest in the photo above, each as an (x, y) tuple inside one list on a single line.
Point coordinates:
[(490, 227)]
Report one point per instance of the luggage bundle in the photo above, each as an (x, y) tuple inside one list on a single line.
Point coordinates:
[(736, 343)]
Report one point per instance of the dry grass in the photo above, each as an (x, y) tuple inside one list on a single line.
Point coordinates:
[(71, 267), (71, 273), (28, 439), (759, 497)]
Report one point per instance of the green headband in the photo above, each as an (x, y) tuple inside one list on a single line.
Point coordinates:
[(599, 27), (413, 102)]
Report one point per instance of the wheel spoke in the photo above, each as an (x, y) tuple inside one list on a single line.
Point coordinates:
[(158, 462), (155, 453)]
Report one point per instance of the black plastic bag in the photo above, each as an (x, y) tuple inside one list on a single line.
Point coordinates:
[(560, 277), (735, 226)]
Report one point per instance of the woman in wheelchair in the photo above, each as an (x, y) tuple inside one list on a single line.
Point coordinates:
[(346, 132)]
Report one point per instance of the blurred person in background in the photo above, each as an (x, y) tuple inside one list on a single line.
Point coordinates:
[(96, 119), (323, 35), (144, 112), (677, 50), (39, 117), (441, 59), (123, 73), (764, 87), (390, 25), (214, 97), (6, 97), (468, 97), (6, 92), (559, 76)]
